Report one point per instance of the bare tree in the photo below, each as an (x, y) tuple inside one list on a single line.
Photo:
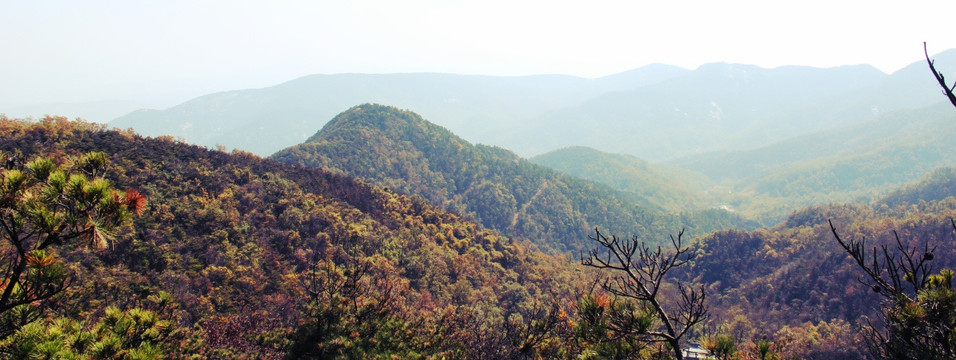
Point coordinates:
[(947, 90), (919, 311), (641, 274), (893, 274)]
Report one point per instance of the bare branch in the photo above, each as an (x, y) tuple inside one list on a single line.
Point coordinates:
[(641, 273), (901, 274), (947, 90), (857, 250)]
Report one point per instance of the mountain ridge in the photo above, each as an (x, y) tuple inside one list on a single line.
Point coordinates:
[(402, 151), (466, 102), (534, 114)]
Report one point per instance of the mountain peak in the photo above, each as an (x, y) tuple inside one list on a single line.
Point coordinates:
[(376, 116), (383, 126)]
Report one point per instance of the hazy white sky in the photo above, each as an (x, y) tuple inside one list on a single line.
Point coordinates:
[(165, 52)]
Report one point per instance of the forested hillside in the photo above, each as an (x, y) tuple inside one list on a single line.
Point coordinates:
[(790, 283), (243, 257), (934, 186), (252, 256), (792, 270), (797, 271), (400, 150)]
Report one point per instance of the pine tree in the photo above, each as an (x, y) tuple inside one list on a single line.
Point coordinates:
[(45, 206)]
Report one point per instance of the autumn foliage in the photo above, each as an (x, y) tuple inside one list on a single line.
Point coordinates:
[(228, 255)]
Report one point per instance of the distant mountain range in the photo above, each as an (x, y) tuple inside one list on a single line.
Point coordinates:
[(266, 120), (733, 107), (655, 112)]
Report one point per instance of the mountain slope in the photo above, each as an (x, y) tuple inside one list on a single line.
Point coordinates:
[(934, 186), (655, 112), (797, 273), (237, 241), (767, 183), (241, 243), (402, 151), (836, 165), (850, 140)]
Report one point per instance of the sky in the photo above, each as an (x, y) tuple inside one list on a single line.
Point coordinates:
[(160, 53)]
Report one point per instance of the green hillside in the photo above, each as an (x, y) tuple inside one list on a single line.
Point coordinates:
[(934, 186), (669, 188), (840, 165), (400, 150), (931, 126), (853, 163)]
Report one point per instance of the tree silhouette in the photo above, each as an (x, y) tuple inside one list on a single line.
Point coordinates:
[(919, 311), (642, 274), (947, 90)]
